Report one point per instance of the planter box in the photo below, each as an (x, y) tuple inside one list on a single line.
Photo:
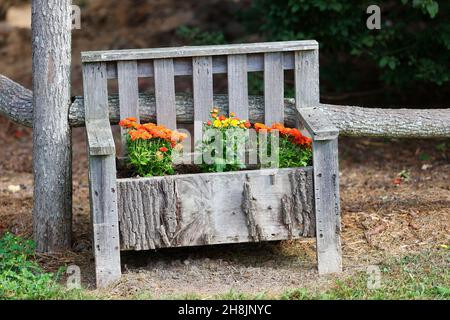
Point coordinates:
[(215, 208)]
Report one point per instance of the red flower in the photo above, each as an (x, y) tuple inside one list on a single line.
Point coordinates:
[(209, 123), (222, 117), (163, 149)]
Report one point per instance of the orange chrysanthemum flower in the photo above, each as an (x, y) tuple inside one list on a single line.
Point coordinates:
[(149, 131), (260, 126)]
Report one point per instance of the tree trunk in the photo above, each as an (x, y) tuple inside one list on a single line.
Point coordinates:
[(52, 166), (15, 103)]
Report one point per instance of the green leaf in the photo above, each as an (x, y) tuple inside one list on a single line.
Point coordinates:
[(433, 9), (443, 290)]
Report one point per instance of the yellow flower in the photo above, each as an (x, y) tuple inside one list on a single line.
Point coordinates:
[(234, 123), (217, 123), (226, 122)]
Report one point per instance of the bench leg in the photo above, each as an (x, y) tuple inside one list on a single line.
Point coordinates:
[(326, 193), (106, 246)]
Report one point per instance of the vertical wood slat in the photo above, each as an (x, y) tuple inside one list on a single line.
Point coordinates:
[(165, 92), (102, 182), (127, 72), (95, 87), (238, 85), (307, 78), (203, 92), (105, 218), (326, 194), (273, 88)]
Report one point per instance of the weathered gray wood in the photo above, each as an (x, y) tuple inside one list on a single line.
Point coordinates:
[(16, 104), (273, 88), (160, 53), (238, 85), (203, 93), (307, 92), (128, 94), (183, 66), (100, 138), (195, 209), (95, 88), (327, 206), (103, 194), (102, 175), (52, 151), (317, 124), (165, 93)]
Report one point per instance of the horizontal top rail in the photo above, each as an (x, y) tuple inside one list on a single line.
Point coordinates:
[(195, 51)]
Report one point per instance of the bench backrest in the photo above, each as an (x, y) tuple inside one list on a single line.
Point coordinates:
[(201, 62)]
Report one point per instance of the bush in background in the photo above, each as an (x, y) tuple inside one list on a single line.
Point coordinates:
[(412, 46)]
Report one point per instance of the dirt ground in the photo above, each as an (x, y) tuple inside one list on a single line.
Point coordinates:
[(379, 219)]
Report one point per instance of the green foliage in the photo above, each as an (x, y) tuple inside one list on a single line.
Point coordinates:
[(195, 36), (415, 276), (287, 155), (292, 155), (226, 139), (20, 276), (444, 149), (233, 141), (147, 159), (412, 45)]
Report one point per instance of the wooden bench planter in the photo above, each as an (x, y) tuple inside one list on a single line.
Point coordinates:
[(204, 209)]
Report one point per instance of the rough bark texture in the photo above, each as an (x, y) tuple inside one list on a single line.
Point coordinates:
[(16, 104), (189, 210), (350, 120), (51, 37)]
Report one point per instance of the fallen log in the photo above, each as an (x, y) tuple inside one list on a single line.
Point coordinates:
[(16, 104)]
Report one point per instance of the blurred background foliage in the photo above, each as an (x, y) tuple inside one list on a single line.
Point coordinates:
[(410, 53), (405, 63)]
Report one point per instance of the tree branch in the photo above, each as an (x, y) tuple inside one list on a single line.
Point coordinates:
[(15, 103)]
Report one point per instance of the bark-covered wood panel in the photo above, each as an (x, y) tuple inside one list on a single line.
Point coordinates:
[(214, 208)]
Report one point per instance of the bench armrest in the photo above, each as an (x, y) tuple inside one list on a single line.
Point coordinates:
[(317, 124), (100, 138)]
